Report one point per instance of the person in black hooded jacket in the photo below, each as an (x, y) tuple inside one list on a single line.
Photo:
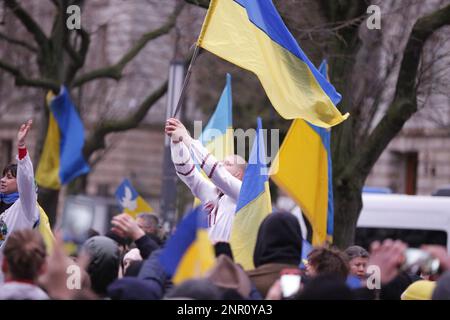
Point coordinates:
[(278, 246), (103, 267)]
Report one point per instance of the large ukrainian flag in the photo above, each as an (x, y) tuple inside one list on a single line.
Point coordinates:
[(252, 35), (253, 205), (188, 254), (62, 157), (303, 169)]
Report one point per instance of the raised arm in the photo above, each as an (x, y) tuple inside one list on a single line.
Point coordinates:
[(221, 177), (25, 176), (187, 171), (214, 169)]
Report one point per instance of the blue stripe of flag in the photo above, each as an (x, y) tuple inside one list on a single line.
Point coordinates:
[(72, 163), (181, 240), (222, 117), (264, 15)]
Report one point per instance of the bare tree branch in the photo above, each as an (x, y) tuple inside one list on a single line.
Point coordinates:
[(200, 3), (96, 140), (405, 101), (28, 22), (343, 10), (17, 42), (55, 3), (115, 71), (71, 51), (78, 57), (21, 80)]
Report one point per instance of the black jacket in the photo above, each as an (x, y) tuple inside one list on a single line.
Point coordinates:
[(146, 246)]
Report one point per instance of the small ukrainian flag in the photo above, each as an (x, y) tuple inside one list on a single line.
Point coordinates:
[(130, 201), (189, 253)]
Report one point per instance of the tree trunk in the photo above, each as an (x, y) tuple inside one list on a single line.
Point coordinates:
[(47, 199), (41, 129), (347, 206)]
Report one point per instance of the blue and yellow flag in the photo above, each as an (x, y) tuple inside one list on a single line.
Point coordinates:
[(253, 205), (188, 254), (130, 201), (303, 169), (252, 35), (217, 136), (62, 156)]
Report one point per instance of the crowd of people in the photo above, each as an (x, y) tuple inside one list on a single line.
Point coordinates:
[(124, 264), (111, 269)]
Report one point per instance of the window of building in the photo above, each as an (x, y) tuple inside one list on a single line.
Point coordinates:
[(405, 178), (414, 238)]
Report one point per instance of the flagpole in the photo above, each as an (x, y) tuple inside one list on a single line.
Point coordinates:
[(186, 81)]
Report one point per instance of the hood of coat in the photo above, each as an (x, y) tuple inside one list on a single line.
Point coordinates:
[(104, 262), (279, 240)]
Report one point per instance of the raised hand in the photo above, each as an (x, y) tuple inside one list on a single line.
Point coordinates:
[(55, 279), (126, 227), (23, 132), (275, 292), (177, 131), (388, 256), (440, 253)]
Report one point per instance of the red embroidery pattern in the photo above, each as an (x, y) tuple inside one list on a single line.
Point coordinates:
[(204, 161), (212, 170), (187, 173)]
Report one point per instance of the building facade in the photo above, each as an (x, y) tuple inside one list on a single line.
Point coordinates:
[(416, 162)]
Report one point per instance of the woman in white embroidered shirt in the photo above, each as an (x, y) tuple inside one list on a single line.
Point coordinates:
[(18, 196)]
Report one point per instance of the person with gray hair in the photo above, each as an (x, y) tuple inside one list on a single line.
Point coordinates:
[(125, 226), (149, 223), (358, 258), (103, 267), (219, 192)]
